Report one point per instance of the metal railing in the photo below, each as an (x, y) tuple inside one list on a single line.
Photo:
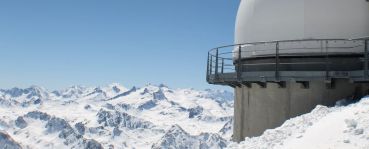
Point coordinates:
[(228, 63)]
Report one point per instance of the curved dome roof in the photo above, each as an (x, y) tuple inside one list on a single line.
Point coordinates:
[(267, 20)]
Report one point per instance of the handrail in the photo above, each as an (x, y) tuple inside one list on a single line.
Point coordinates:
[(360, 38), (220, 61), (281, 41), (274, 41)]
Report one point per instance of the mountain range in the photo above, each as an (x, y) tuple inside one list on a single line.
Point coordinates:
[(113, 116)]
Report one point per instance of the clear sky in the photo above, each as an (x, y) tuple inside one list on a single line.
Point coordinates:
[(59, 43)]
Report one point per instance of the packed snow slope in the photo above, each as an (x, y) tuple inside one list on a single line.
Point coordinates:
[(115, 117), (340, 127)]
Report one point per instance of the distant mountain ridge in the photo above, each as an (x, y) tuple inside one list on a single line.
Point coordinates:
[(114, 116)]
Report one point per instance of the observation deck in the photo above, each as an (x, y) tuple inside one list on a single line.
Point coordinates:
[(300, 61)]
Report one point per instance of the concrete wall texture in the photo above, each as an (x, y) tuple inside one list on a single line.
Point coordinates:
[(258, 109)]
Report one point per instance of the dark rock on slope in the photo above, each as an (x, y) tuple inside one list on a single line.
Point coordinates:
[(20, 122), (6, 142), (177, 138)]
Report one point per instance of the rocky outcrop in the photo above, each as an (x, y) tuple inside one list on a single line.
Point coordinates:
[(24, 97), (20, 122), (192, 112), (121, 119), (227, 128), (71, 92), (6, 142), (214, 119), (96, 130), (80, 128), (56, 125), (145, 91), (66, 132), (147, 105), (124, 106), (5, 103), (133, 89), (210, 140), (177, 138), (116, 131), (97, 91), (159, 95), (92, 144), (38, 115)]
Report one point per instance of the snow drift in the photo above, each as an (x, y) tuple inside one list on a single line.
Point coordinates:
[(339, 127)]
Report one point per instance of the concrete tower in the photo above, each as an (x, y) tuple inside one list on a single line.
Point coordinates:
[(289, 56)]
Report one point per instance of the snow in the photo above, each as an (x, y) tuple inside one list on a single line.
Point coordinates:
[(339, 127), (113, 116), (143, 116)]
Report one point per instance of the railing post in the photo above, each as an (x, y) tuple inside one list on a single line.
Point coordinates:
[(222, 66), (277, 61), (216, 63), (239, 70), (211, 65), (207, 68), (326, 60), (366, 58)]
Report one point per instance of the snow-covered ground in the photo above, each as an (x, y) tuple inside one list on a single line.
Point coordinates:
[(114, 116), (339, 127), (156, 117)]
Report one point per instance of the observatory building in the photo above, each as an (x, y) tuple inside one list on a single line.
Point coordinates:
[(291, 55)]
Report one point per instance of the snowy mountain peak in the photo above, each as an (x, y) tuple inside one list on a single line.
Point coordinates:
[(33, 91), (71, 92), (36, 88), (176, 137), (116, 87), (33, 95), (114, 117), (163, 86), (176, 129)]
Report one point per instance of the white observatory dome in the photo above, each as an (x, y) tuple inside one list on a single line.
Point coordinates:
[(270, 20)]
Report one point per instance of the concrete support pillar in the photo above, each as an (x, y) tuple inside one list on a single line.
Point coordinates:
[(258, 109)]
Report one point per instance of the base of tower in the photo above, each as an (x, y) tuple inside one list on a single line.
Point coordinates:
[(258, 108)]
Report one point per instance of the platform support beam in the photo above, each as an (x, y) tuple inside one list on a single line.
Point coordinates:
[(366, 59), (277, 61), (239, 64)]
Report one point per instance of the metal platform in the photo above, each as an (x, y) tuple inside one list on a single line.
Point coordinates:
[(236, 65)]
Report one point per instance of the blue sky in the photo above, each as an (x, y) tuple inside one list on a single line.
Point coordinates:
[(56, 44)]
